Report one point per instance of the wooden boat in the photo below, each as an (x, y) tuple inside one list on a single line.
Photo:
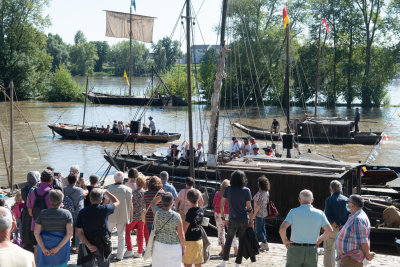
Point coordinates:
[(160, 101), (71, 131), (256, 132)]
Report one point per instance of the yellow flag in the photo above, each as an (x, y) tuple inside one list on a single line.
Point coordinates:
[(126, 77)]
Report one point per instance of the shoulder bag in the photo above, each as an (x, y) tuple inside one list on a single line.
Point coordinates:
[(206, 246), (272, 210)]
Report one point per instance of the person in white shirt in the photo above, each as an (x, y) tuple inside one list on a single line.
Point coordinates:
[(235, 147), (246, 148), (127, 129), (200, 154), (152, 126), (253, 144)]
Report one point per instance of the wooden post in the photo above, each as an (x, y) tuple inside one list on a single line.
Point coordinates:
[(12, 135), (317, 71), (130, 51), (287, 77), (5, 160), (84, 107)]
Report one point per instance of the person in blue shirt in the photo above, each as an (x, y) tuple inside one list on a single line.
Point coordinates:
[(305, 223), (164, 176), (337, 214)]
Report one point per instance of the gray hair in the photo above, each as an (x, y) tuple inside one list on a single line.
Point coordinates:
[(119, 177), (164, 176), (167, 199), (56, 197), (335, 186), (306, 196), (356, 200), (6, 219), (96, 195), (74, 169)]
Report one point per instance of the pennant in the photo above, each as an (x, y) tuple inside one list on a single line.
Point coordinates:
[(376, 153), (364, 169), (372, 158), (126, 77), (378, 147), (286, 19), (326, 26), (134, 4)]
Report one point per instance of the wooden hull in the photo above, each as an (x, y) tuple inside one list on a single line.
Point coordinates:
[(91, 134), (258, 133), (98, 98)]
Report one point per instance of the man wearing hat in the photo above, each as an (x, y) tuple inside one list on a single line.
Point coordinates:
[(253, 144), (152, 126), (353, 240), (235, 147), (246, 148)]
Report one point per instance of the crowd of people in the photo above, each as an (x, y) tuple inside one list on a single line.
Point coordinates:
[(56, 216), (249, 147), (119, 127), (180, 154)]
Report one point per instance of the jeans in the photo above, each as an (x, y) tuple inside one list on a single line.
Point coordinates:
[(100, 260), (149, 227), (121, 238), (233, 228), (141, 232), (260, 229)]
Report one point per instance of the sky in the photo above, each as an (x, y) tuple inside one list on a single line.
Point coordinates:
[(69, 16)]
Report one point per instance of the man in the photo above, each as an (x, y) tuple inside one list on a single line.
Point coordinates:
[(56, 179), (235, 147), (275, 126), (174, 155), (92, 228), (246, 147), (353, 240), (253, 144), (336, 213), (164, 176), (115, 128), (74, 170), (182, 204), (240, 211), (121, 215), (152, 126), (357, 118), (11, 255), (133, 174), (256, 151), (93, 179), (199, 155), (306, 223)]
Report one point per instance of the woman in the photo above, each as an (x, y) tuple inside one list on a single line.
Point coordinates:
[(154, 190), (27, 237), (192, 228), (136, 221), (53, 231), (169, 240), (217, 214), (261, 199)]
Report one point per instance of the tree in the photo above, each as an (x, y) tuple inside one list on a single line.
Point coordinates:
[(102, 52), (23, 57), (176, 81), (83, 56), (119, 58), (56, 48), (208, 65), (62, 87), (172, 52)]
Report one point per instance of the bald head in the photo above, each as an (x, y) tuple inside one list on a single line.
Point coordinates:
[(306, 197), (6, 220)]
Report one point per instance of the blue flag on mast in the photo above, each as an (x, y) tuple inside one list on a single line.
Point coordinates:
[(134, 4)]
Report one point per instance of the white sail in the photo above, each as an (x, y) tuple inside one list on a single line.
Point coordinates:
[(118, 25)]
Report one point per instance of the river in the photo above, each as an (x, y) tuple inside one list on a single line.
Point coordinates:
[(61, 154)]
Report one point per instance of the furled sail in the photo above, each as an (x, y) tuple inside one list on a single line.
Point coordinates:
[(118, 25)]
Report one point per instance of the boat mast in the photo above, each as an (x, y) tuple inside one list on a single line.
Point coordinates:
[(130, 50), (189, 84), (213, 137), (84, 107), (317, 71), (287, 95), (12, 135)]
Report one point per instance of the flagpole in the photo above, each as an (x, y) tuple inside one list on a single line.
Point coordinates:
[(317, 71), (130, 50), (287, 77)]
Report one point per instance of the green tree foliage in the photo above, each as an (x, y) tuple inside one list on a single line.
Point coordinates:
[(119, 58), (176, 81), (23, 57), (207, 71), (166, 54), (62, 87), (56, 48), (82, 55), (103, 48)]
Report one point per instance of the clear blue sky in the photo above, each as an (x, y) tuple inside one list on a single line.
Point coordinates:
[(69, 16)]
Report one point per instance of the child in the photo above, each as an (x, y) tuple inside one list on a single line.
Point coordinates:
[(261, 199), (17, 208), (192, 228)]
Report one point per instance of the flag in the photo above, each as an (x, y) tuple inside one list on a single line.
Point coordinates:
[(376, 153), (134, 4), (126, 77), (378, 147), (391, 125), (364, 169), (286, 19), (326, 25), (372, 158)]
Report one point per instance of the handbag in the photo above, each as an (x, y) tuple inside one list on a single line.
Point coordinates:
[(206, 245), (272, 210)]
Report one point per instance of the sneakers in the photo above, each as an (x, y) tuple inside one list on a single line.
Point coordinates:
[(137, 255), (223, 264), (264, 247), (128, 254)]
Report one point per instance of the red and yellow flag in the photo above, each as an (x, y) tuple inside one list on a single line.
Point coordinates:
[(286, 19)]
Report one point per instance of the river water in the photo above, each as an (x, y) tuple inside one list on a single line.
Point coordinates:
[(61, 154)]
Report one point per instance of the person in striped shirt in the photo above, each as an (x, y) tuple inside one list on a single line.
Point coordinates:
[(353, 240)]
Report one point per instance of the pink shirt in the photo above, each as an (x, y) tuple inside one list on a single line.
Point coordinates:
[(217, 201), (182, 204), (41, 190)]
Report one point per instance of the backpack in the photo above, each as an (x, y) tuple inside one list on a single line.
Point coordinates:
[(69, 204), (39, 205)]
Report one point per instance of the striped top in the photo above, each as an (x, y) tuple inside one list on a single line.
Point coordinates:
[(148, 197), (355, 232)]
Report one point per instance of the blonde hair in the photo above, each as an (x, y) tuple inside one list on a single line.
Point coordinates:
[(225, 183), (18, 196), (140, 181)]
